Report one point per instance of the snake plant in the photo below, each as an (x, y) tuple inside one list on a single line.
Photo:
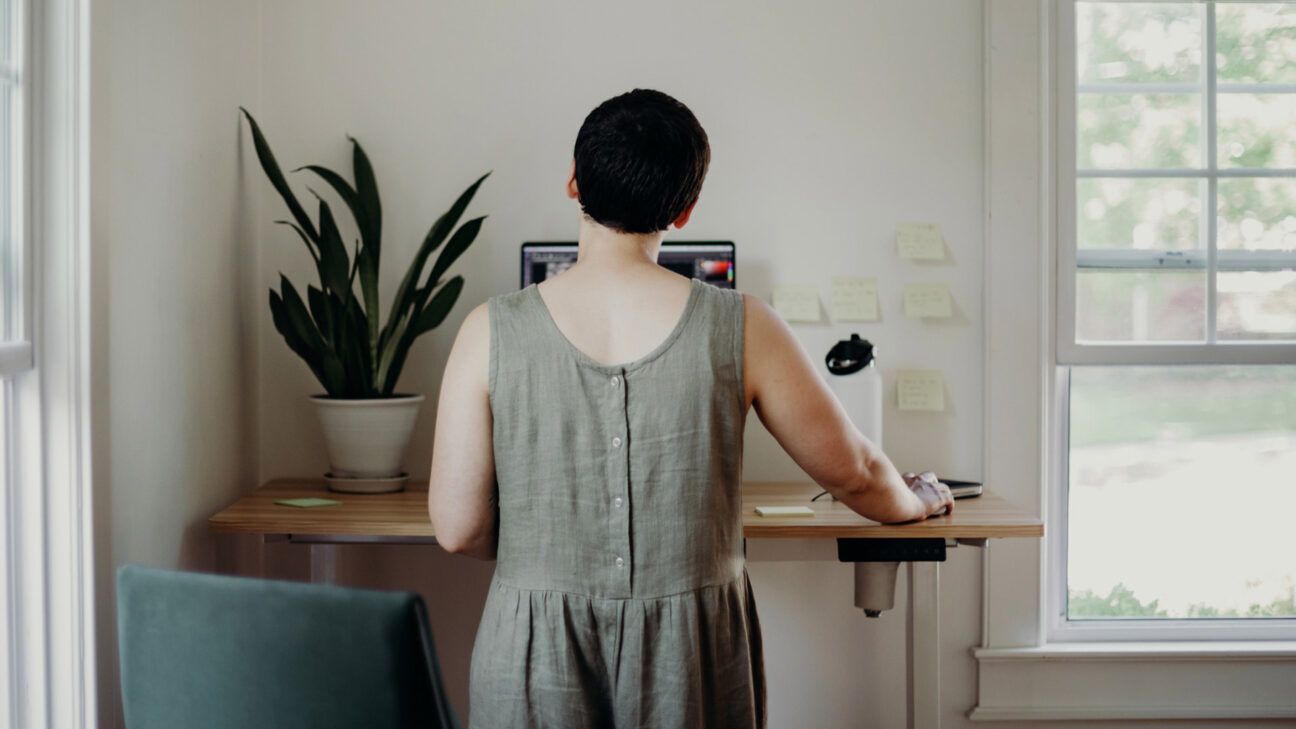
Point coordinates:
[(336, 332)]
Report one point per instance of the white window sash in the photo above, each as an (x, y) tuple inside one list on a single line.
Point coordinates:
[(1210, 259), (1070, 352), (16, 353)]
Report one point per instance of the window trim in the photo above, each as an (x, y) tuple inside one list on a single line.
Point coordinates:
[(1070, 259), (1058, 629), (49, 671)]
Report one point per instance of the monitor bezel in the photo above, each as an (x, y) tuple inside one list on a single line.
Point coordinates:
[(733, 251)]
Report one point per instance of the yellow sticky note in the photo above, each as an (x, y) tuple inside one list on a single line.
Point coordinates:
[(784, 511), (853, 299), (920, 390), (797, 302), (928, 301), (920, 241)]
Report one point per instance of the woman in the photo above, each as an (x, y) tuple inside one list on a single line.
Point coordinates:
[(589, 437)]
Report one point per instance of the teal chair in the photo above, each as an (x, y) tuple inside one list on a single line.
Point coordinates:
[(213, 652)]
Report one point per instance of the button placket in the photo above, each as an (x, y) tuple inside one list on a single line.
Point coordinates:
[(619, 518)]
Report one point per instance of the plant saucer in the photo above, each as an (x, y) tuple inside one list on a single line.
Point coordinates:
[(348, 485)]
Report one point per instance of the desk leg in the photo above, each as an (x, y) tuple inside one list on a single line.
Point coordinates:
[(924, 645), (323, 564)]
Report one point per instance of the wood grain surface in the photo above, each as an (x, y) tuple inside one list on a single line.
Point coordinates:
[(404, 514)]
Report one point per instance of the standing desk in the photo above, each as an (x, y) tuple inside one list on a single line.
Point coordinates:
[(401, 518)]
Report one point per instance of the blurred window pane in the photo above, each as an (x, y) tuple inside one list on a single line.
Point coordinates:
[(1256, 305), (1257, 213), (1208, 450), (1123, 130), (1138, 42), (1255, 42), (8, 248), (1138, 213), (1140, 306), (1257, 130)]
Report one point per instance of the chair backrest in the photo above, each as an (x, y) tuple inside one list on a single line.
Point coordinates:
[(208, 651)]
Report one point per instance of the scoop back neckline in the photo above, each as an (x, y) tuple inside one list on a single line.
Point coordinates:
[(689, 304)]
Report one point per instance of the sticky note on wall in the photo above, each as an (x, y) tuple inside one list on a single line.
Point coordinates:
[(797, 302), (920, 241), (928, 301), (853, 299), (920, 390)]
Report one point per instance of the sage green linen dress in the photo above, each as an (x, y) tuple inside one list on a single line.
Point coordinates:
[(620, 597)]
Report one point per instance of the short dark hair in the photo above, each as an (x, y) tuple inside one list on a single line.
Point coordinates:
[(640, 161)]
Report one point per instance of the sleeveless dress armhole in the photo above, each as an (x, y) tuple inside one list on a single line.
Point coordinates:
[(739, 321), (493, 321)]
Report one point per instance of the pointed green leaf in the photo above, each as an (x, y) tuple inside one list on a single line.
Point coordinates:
[(367, 195), (367, 271), (312, 358), (310, 246), (319, 309), (438, 308), (333, 263), (456, 246), (339, 185), (427, 319), (271, 168), (436, 235), (299, 322)]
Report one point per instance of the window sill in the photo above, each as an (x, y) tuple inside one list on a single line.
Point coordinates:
[(1283, 650), (1233, 680)]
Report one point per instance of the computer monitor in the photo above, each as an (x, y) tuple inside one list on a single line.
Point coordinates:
[(710, 261)]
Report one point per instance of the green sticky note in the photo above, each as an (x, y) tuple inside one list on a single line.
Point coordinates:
[(307, 503)]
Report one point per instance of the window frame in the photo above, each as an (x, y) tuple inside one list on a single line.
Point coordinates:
[(1068, 352), (1069, 258), (47, 559), (16, 351)]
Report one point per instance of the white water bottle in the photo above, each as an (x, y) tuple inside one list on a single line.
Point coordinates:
[(854, 378)]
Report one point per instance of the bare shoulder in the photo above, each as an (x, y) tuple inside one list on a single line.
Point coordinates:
[(757, 312), (763, 328), (470, 356), (477, 324)]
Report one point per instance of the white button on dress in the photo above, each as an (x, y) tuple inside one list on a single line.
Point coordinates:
[(616, 441), (619, 562)]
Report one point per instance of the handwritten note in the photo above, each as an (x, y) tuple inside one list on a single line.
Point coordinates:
[(920, 390), (853, 299), (920, 241), (797, 302), (928, 301)]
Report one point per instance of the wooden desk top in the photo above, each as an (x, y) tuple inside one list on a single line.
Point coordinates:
[(404, 514)]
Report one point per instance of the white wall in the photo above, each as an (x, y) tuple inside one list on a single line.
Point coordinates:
[(170, 243), (830, 121)]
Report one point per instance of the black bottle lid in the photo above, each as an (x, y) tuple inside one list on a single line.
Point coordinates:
[(849, 356)]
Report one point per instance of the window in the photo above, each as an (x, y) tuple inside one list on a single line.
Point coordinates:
[(1176, 331), (15, 350)]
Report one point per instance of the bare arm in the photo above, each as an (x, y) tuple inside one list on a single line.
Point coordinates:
[(462, 496), (804, 416)]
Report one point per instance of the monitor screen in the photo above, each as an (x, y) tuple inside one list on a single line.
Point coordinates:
[(710, 261)]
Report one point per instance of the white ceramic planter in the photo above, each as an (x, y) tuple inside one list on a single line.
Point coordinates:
[(367, 439)]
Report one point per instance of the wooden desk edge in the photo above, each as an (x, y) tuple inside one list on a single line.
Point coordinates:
[(1021, 525)]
